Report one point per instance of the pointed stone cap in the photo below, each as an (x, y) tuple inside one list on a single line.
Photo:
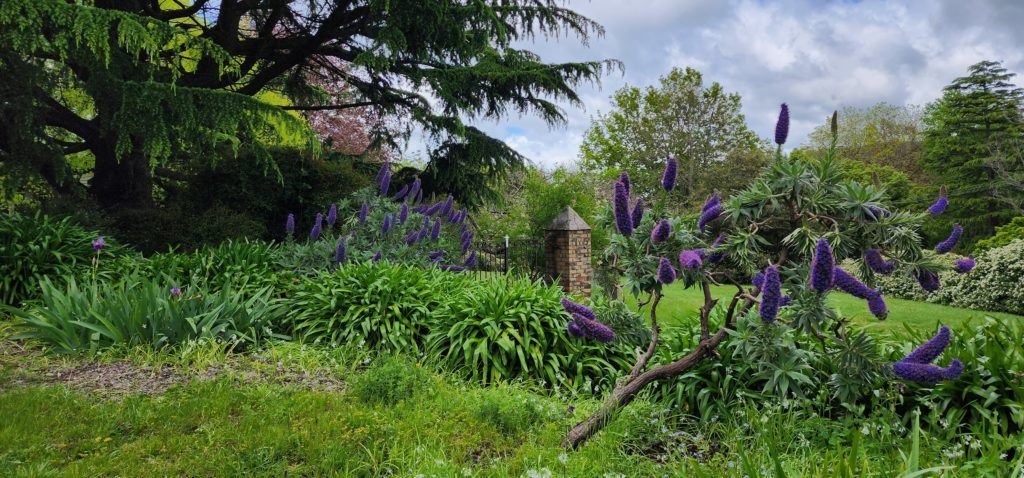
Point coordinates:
[(568, 220)]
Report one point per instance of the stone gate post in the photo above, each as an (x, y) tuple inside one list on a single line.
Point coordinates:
[(567, 252)]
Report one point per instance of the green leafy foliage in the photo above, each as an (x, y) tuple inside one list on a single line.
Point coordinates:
[(132, 311), (38, 246), (1005, 234), (391, 380), (512, 412)]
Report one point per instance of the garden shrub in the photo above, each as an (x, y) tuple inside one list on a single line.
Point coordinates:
[(507, 328), (1005, 234), (36, 246), (512, 412), (391, 380), (240, 265), (384, 306), (135, 311)]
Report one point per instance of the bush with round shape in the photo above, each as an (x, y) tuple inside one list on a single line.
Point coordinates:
[(391, 380)]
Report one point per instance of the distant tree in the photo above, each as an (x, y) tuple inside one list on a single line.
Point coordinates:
[(141, 84), (977, 114), (881, 135), (700, 124)]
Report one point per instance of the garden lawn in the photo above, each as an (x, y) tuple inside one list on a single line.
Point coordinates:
[(680, 305)]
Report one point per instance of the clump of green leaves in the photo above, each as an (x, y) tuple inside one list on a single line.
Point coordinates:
[(512, 412), (391, 380)]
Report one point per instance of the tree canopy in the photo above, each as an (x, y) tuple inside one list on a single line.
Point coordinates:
[(143, 85)]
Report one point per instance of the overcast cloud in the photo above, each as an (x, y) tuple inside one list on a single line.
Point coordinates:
[(817, 56)]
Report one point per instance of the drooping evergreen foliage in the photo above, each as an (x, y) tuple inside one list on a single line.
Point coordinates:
[(145, 87)]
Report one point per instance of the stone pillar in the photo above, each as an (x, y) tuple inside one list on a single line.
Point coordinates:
[(567, 252)]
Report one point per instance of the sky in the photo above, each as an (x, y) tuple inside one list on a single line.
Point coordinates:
[(815, 55)]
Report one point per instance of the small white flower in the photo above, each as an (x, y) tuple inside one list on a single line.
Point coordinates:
[(563, 458)]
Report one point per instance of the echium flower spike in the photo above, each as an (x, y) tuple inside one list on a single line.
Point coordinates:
[(927, 374), (403, 215), (332, 215), (876, 304), (620, 204), (849, 284), (666, 274), (384, 178), (573, 328), (376, 257), (580, 309), (690, 259), (834, 124), (470, 260), (771, 295), (314, 233), (592, 329), (928, 280), (873, 258), (668, 178), (624, 179), (782, 126), (930, 350), (289, 225), (363, 211), (402, 192), (758, 280), (708, 216), (414, 190), (950, 242), (964, 265), (940, 204), (713, 255), (638, 213), (823, 267), (340, 253), (435, 232), (386, 225), (712, 201), (661, 232)]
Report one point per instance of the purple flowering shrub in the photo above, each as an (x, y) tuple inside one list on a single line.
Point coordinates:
[(789, 229)]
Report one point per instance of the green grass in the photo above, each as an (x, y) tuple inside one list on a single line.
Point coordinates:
[(681, 306)]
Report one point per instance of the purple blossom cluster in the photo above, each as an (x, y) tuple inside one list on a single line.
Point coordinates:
[(917, 366), (782, 125), (690, 259), (668, 178), (584, 323), (314, 233), (709, 213), (637, 215), (873, 258), (340, 254), (771, 295), (940, 204), (661, 232), (964, 265), (928, 280), (666, 273), (332, 215), (823, 267), (851, 285), (289, 225), (620, 205), (950, 242)]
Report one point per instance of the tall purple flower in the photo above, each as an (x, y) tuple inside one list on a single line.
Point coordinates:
[(930, 350), (712, 255), (771, 295), (435, 232), (376, 257), (98, 244), (712, 201), (782, 126), (363, 211), (419, 196), (927, 374), (471, 259), (876, 304), (403, 215), (384, 178), (340, 254), (573, 327), (690, 259), (314, 233), (638, 213), (620, 204), (758, 279), (402, 192), (661, 232), (878, 213), (666, 274), (289, 225), (950, 242), (576, 308), (849, 284), (823, 267), (435, 255), (332, 215), (940, 204), (668, 178), (593, 329), (386, 225), (708, 216), (964, 265), (928, 280), (873, 258), (412, 237), (624, 179), (414, 190)]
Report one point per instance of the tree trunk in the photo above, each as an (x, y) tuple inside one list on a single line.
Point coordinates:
[(122, 183)]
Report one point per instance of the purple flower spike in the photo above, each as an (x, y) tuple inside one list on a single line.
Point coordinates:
[(928, 280), (711, 255), (666, 274), (175, 292), (771, 296), (435, 255), (314, 233), (782, 126), (340, 254), (414, 190), (624, 179), (623, 222), (661, 232), (785, 301), (930, 350), (876, 304), (376, 257), (578, 309), (386, 225), (638, 213), (950, 242), (758, 280), (940, 204), (332, 215), (592, 329), (573, 327), (289, 225), (873, 258), (712, 201), (363, 211), (878, 213), (690, 259), (452, 267), (927, 374), (708, 216), (384, 178), (435, 232), (849, 284), (402, 192), (404, 214), (98, 244), (668, 178), (964, 265), (411, 238), (471, 260), (823, 267)]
